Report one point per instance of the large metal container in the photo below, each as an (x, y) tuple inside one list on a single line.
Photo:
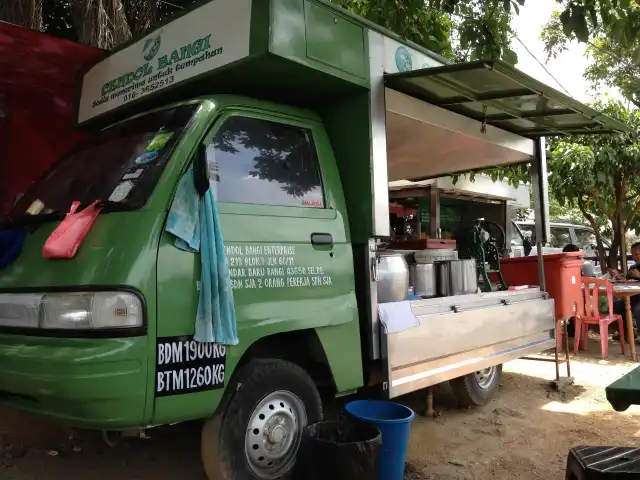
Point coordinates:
[(393, 277), (423, 278), (408, 255), (457, 277)]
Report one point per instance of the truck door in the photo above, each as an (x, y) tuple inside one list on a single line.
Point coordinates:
[(283, 220)]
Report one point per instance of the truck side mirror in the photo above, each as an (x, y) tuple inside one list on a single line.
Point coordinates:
[(201, 171)]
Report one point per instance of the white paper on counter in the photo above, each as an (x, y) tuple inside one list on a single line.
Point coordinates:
[(397, 316)]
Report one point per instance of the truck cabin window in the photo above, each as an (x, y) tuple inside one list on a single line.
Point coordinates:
[(516, 239), (119, 165), (261, 162), (528, 232)]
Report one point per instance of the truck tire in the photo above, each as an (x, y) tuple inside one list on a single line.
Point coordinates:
[(258, 431), (477, 388)]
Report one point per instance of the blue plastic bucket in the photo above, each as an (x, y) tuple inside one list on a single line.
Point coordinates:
[(393, 420)]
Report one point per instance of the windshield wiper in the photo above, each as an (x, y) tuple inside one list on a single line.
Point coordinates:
[(27, 220), (116, 207)]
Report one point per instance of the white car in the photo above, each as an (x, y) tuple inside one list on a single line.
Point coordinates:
[(562, 234)]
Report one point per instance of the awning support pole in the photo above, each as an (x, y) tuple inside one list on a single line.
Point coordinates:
[(541, 203), (541, 209)]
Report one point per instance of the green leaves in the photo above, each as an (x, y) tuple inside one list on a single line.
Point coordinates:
[(509, 56), (599, 170), (460, 30), (411, 19), (584, 19), (579, 23), (567, 23)]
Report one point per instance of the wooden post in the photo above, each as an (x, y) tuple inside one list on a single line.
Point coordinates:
[(629, 322)]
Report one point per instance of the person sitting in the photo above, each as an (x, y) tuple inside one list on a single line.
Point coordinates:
[(634, 271), (633, 274)]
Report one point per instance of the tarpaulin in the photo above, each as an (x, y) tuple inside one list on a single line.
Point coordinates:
[(38, 75)]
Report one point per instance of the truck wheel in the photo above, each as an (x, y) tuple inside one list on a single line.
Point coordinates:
[(476, 389), (258, 433)]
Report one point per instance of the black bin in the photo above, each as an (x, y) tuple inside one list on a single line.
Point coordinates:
[(603, 463), (338, 451)]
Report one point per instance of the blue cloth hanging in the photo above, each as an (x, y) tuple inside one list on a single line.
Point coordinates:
[(195, 223), (11, 243)]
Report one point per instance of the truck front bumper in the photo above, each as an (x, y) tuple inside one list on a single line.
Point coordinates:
[(85, 383)]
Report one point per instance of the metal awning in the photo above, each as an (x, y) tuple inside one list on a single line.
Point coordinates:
[(501, 95)]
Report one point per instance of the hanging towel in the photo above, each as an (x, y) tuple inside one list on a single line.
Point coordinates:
[(195, 223)]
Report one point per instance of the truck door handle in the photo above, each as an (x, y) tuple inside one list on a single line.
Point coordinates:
[(321, 239)]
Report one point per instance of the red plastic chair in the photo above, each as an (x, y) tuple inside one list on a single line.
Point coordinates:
[(591, 315)]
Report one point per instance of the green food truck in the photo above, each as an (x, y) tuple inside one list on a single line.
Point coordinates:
[(302, 114)]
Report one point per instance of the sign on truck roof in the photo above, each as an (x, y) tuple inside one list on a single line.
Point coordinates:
[(314, 48), (311, 33), (210, 36)]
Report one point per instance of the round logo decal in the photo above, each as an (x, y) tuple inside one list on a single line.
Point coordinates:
[(403, 60), (147, 157), (151, 47)]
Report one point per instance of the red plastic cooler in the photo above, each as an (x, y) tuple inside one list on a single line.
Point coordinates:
[(561, 274)]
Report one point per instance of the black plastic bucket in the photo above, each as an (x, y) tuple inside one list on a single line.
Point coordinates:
[(338, 451)]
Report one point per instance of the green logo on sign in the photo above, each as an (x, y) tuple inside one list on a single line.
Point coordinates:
[(403, 60), (151, 47)]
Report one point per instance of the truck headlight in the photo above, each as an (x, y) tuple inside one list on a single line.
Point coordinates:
[(71, 311)]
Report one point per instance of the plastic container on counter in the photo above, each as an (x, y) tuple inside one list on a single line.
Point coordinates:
[(561, 274)]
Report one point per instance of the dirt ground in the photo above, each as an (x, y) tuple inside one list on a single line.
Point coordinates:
[(525, 432)]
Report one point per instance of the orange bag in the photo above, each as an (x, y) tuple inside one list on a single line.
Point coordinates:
[(65, 240)]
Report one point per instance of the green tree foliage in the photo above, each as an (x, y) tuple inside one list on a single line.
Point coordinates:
[(585, 20), (480, 28), (458, 30), (101, 23), (615, 62), (599, 175), (57, 19)]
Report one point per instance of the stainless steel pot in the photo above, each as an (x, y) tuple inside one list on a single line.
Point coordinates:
[(423, 278), (393, 277), (408, 255), (457, 277)]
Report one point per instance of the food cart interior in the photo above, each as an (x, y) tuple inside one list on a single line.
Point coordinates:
[(436, 319)]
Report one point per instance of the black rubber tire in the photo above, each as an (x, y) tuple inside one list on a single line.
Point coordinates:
[(469, 393), (223, 435)]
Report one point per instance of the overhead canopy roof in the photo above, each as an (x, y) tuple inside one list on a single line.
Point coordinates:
[(425, 141), (504, 97)]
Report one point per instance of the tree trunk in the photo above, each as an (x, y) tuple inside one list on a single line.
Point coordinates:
[(26, 13), (101, 23), (614, 251), (602, 255), (141, 16)]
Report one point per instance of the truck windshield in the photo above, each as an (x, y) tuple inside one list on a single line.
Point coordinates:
[(119, 166)]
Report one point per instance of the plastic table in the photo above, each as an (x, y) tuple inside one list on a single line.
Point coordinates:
[(625, 391)]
